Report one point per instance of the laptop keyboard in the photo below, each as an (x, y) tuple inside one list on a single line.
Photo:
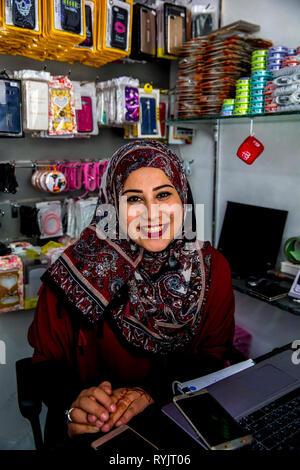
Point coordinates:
[(276, 426)]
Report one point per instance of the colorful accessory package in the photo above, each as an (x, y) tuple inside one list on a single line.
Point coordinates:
[(62, 118), (11, 283)]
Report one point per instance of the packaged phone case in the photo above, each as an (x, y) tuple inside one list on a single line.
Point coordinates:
[(66, 20), (62, 119), (89, 42), (84, 115), (11, 283), (171, 21), (117, 16), (163, 113), (118, 101), (144, 34), (23, 15), (10, 108), (36, 105), (85, 107), (149, 125)]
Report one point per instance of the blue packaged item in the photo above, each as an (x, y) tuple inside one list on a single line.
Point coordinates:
[(10, 107), (148, 115)]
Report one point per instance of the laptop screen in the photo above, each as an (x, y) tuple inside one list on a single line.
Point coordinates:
[(250, 238)]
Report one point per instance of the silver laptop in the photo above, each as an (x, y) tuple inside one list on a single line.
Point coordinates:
[(264, 399)]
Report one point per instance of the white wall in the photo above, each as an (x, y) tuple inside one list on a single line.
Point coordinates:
[(278, 19), (274, 179)]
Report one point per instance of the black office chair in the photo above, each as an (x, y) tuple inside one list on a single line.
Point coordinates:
[(30, 404)]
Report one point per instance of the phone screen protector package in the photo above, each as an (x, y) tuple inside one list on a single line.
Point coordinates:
[(118, 24), (85, 107), (49, 219), (149, 125), (23, 16), (11, 123)]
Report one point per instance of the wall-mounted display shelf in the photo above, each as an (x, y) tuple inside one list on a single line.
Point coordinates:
[(195, 122)]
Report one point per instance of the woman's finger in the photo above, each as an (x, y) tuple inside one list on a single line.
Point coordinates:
[(122, 405), (136, 407), (91, 407), (106, 386), (78, 416), (102, 397)]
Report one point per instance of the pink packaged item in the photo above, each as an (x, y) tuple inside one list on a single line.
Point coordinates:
[(11, 283), (85, 115)]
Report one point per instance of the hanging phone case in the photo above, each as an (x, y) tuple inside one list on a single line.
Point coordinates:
[(175, 33), (148, 116), (10, 107), (119, 27), (85, 115), (71, 16), (131, 104), (148, 31), (88, 42), (23, 13), (174, 27), (61, 119), (162, 118)]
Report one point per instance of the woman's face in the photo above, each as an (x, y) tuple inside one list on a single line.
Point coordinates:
[(150, 208)]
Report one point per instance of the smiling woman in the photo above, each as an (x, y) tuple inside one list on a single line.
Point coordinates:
[(123, 313), (152, 208)]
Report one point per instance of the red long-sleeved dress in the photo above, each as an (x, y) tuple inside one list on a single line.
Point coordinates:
[(69, 358)]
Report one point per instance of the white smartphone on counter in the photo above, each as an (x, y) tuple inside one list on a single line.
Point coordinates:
[(214, 425)]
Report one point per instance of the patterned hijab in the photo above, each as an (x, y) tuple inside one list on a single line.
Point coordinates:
[(154, 300)]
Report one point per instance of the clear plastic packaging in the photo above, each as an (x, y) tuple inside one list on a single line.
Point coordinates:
[(49, 219), (84, 211), (118, 101), (35, 93)]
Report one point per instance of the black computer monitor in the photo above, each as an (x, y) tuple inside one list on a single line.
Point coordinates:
[(250, 238)]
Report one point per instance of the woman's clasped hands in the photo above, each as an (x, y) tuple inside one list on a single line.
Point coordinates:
[(101, 408)]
